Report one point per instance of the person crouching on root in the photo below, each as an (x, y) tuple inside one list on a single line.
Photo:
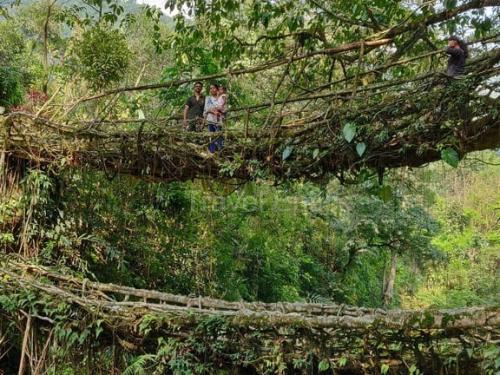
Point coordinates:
[(212, 117), (457, 49)]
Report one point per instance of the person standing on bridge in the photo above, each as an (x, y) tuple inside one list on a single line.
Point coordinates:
[(213, 118), (457, 49), (193, 109)]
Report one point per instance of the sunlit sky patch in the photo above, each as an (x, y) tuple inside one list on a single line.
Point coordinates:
[(159, 4)]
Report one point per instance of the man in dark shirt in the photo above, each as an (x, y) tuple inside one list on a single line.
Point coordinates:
[(193, 109), (457, 49)]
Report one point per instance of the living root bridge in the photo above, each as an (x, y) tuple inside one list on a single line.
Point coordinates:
[(250, 335)]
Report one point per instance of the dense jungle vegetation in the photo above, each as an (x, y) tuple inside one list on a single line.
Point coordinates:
[(404, 238), (438, 227)]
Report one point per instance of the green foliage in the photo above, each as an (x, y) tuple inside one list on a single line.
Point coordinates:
[(256, 244), (491, 363), (103, 56), (371, 230), (467, 210), (175, 96), (193, 62), (269, 27), (11, 42), (139, 365), (11, 86), (323, 365), (12, 76)]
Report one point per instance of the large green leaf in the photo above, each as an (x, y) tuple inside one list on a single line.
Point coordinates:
[(316, 153), (360, 148), (287, 152), (450, 156), (323, 365), (349, 131), (385, 193)]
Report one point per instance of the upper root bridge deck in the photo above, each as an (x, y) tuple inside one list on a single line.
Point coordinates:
[(394, 123)]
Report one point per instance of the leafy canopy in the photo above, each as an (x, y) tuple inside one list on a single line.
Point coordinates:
[(103, 56)]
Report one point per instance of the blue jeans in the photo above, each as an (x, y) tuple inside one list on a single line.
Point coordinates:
[(218, 143)]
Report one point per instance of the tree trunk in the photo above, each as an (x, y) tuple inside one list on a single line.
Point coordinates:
[(390, 279), (50, 5)]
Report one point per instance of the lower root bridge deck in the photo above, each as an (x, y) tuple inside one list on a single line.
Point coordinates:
[(251, 336)]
